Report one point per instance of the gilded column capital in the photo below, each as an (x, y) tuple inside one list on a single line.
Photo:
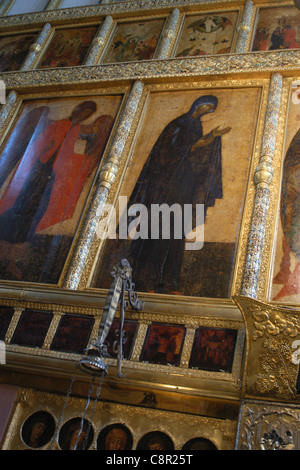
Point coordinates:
[(272, 355), (109, 173)]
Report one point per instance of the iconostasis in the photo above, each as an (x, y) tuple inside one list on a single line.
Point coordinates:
[(189, 103)]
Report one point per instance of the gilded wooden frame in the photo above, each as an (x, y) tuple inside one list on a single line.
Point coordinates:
[(273, 71), (138, 420), (213, 313)]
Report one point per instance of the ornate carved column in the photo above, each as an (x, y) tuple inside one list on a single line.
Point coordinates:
[(7, 109), (271, 387), (244, 28), (53, 5), (37, 48), (78, 269), (99, 42), (5, 6), (262, 179), (169, 34)]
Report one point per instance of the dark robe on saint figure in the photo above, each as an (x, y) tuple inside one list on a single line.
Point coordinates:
[(173, 174)]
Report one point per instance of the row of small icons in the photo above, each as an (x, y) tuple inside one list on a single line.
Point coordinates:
[(295, 355)]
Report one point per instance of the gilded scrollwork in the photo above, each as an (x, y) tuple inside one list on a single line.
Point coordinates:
[(271, 331), (284, 61), (276, 376), (270, 320)]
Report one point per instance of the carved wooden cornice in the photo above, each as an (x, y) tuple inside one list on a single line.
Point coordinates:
[(237, 64)]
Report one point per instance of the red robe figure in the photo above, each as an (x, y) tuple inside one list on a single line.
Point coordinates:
[(48, 181)]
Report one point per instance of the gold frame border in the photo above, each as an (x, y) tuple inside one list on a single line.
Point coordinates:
[(139, 420)]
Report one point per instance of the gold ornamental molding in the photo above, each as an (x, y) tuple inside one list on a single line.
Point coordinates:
[(269, 62), (111, 8), (272, 350), (139, 420)]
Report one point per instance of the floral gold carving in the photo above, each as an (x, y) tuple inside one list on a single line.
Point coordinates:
[(271, 331)]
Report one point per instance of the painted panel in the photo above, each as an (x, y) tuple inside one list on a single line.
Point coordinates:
[(47, 167), (73, 334), (207, 34), (134, 41), (38, 429), (113, 338), (285, 282), (13, 51), (6, 314), (163, 344), (213, 349), (32, 328), (115, 437), (68, 47), (277, 28), (193, 150)]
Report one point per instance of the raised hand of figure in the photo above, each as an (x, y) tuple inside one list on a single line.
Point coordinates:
[(205, 140), (219, 132)]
